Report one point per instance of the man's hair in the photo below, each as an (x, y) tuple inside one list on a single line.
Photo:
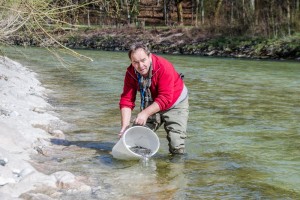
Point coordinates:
[(136, 46)]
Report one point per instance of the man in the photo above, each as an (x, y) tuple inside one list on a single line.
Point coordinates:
[(164, 97)]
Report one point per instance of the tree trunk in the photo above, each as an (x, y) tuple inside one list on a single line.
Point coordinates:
[(202, 12), (165, 14), (192, 10), (217, 11), (296, 13), (197, 12), (289, 16), (252, 4), (244, 12), (256, 11), (88, 18), (231, 13), (127, 12), (179, 13)]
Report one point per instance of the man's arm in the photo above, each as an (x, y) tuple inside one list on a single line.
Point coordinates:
[(125, 119), (142, 117)]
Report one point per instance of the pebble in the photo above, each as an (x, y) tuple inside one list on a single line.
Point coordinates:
[(39, 110), (57, 133), (15, 114), (3, 161)]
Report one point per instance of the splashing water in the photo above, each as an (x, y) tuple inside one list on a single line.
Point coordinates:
[(144, 152)]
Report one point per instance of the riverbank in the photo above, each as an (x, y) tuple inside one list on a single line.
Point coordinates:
[(179, 41), (27, 125)]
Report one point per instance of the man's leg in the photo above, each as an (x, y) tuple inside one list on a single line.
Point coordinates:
[(175, 124)]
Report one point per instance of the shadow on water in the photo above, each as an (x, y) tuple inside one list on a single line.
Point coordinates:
[(100, 146), (103, 150)]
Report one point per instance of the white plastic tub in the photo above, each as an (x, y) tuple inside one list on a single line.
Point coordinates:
[(135, 136)]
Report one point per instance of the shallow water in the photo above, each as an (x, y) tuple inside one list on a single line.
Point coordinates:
[(243, 132)]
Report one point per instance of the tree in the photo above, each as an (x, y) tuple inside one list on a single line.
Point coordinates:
[(166, 9), (179, 12), (202, 12), (197, 12), (217, 11), (37, 19)]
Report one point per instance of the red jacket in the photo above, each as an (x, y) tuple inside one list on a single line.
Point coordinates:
[(166, 84)]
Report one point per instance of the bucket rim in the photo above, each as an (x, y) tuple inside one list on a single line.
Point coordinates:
[(133, 127)]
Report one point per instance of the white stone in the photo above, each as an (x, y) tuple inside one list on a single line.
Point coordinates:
[(4, 181)]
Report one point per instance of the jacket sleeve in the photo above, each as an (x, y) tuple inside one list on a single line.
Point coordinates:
[(128, 95)]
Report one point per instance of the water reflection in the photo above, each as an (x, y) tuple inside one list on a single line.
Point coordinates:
[(147, 180)]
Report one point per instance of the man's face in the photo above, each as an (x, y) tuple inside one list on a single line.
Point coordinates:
[(141, 61)]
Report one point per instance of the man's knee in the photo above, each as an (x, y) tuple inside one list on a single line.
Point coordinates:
[(176, 142)]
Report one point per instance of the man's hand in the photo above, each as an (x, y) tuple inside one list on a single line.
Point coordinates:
[(141, 118), (122, 131)]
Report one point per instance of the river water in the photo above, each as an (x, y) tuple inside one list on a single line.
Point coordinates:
[(243, 131)]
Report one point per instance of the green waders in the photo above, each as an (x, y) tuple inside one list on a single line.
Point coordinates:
[(175, 124)]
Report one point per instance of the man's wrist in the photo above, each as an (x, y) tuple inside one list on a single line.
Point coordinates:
[(124, 128)]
